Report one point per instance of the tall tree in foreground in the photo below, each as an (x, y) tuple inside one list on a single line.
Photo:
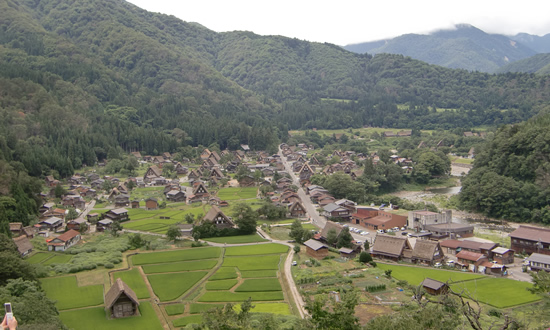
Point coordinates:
[(245, 218), (330, 313)]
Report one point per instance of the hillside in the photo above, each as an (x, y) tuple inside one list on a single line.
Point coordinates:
[(82, 81), (539, 64), (537, 43), (465, 47)]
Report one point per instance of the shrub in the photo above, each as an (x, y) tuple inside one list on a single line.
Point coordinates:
[(495, 312), (372, 263), (388, 272), (297, 248), (375, 288), (365, 257), (109, 265), (402, 283)]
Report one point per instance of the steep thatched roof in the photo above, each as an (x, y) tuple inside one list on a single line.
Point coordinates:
[(391, 246), (425, 250), (116, 290), (331, 225)]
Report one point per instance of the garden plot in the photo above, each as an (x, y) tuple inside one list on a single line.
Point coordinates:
[(38, 258), (69, 295), (180, 266), (273, 308), (95, 318), (172, 285), (177, 255), (497, 292), (226, 296), (253, 263), (247, 250), (135, 282)]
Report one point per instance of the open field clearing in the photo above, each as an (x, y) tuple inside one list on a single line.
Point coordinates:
[(258, 273), (221, 285), (497, 292), (135, 282), (237, 239), (415, 275), (180, 266), (226, 296), (253, 263), (176, 255), (224, 273), (69, 295), (256, 250), (95, 318), (170, 286), (260, 284), (175, 309)]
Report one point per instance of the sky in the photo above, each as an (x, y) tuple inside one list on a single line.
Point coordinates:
[(346, 22)]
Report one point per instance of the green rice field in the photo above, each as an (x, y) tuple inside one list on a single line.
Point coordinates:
[(180, 266), (273, 308), (237, 193), (497, 292), (58, 259), (199, 308), (237, 239), (247, 250), (226, 296), (221, 285), (69, 295), (170, 286), (260, 284), (224, 273), (38, 258), (415, 275), (95, 318), (176, 255), (174, 309), (253, 263), (135, 282), (258, 273), (183, 321)]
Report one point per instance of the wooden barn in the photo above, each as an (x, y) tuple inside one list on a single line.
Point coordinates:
[(434, 287), (316, 249), (121, 301)]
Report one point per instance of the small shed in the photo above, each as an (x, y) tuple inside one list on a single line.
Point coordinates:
[(151, 204), (135, 204), (503, 255), (434, 287), (347, 253), (316, 249), (121, 301)]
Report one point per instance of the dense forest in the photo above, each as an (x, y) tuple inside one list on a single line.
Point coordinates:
[(511, 174)]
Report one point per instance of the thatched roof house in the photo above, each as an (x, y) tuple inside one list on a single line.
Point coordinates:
[(427, 252), (121, 301), (391, 247)]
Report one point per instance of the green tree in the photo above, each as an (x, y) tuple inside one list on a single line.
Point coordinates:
[(365, 257), (173, 233), (297, 231), (344, 239), (366, 245), (332, 237), (136, 241), (328, 313), (245, 218), (115, 228), (189, 218), (71, 214), (59, 191)]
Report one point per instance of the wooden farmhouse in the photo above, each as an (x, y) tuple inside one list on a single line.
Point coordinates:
[(427, 252), (151, 204), (117, 214), (64, 241), (503, 255), (217, 217), (297, 210), (23, 244), (391, 247), (529, 240), (175, 196), (121, 301), (316, 249), (434, 287), (538, 261), (153, 172), (200, 191), (471, 260)]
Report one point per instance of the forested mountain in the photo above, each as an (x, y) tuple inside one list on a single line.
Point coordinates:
[(465, 47), (84, 80), (536, 43), (539, 64), (511, 174)]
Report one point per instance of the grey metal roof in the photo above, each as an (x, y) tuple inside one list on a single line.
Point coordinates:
[(315, 245), (52, 220), (537, 257)]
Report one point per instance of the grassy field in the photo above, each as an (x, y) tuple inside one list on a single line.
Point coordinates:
[(226, 296), (256, 250), (258, 273), (237, 193), (180, 266), (224, 273), (58, 259), (177, 255), (135, 282), (497, 292), (69, 295), (170, 286), (199, 308), (221, 285), (183, 321), (38, 258), (260, 284), (175, 309), (280, 233), (273, 308), (95, 318), (237, 239), (253, 263), (415, 275)]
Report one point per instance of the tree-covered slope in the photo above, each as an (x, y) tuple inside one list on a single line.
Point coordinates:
[(539, 64), (511, 174), (465, 47)]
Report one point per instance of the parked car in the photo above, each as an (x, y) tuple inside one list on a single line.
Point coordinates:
[(389, 231), (404, 233), (294, 263), (364, 232), (380, 231)]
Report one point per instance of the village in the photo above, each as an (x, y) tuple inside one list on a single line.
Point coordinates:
[(158, 199)]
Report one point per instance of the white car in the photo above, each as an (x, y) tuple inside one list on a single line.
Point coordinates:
[(380, 231), (403, 228), (389, 231), (364, 233)]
